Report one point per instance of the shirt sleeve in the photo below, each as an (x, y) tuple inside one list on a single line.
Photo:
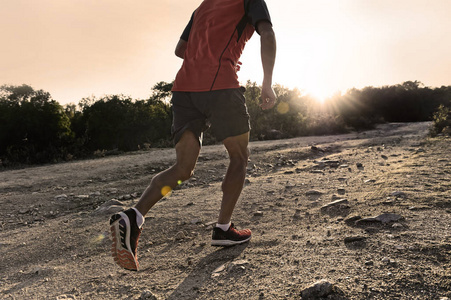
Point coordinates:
[(186, 32), (257, 11)]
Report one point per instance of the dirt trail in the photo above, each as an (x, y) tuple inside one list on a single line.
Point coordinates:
[(55, 245)]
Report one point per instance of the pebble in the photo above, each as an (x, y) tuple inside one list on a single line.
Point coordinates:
[(65, 296), (352, 220), (258, 213), (398, 194), (335, 204), (180, 235), (341, 191), (238, 264), (110, 207), (147, 295), (383, 218), (61, 197), (352, 239), (320, 289), (314, 193)]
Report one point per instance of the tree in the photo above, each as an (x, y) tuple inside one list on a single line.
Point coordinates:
[(33, 127)]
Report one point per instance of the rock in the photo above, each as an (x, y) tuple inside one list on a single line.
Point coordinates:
[(399, 194), (218, 271), (314, 193), (369, 263), (61, 197), (196, 221), (387, 218), (240, 264), (335, 204), (388, 261), (318, 290), (110, 207), (359, 165), (147, 295), (82, 196), (384, 157), (180, 235), (352, 220), (384, 218), (65, 296), (397, 226), (352, 239), (341, 191), (369, 181), (317, 172), (258, 213), (111, 191), (109, 210)]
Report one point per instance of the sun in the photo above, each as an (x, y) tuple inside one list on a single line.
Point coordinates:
[(319, 94)]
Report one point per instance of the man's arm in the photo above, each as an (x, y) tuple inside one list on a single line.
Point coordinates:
[(180, 48), (268, 54)]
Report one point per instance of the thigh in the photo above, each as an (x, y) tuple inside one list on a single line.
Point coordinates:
[(186, 117)]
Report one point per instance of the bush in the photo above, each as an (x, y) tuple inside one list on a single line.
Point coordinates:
[(442, 120)]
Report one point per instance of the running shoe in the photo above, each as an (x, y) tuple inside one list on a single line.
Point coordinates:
[(230, 237), (125, 235)]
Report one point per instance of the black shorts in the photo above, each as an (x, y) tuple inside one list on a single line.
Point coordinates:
[(224, 110)]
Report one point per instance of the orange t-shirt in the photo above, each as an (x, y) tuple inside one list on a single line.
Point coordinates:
[(216, 36)]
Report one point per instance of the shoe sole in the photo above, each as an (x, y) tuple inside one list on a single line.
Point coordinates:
[(226, 243), (122, 256)]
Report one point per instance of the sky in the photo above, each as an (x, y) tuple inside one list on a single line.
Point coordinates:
[(75, 49)]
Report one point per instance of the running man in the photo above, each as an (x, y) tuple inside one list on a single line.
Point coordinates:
[(206, 91)]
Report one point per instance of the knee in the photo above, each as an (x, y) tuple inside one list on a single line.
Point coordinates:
[(240, 158), (184, 172)]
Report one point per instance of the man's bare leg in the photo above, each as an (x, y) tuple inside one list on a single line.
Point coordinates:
[(234, 179), (187, 152)]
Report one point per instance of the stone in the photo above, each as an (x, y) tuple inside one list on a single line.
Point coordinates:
[(314, 193), (180, 235), (318, 290), (258, 213), (399, 194), (387, 218), (317, 172), (147, 295), (352, 220), (65, 296), (240, 264), (61, 197), (359, 165), (352, 239), (341, 191), (218, 270), (369, 181), (110, 207), (336, 203), (196, 221), (383, 218)]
